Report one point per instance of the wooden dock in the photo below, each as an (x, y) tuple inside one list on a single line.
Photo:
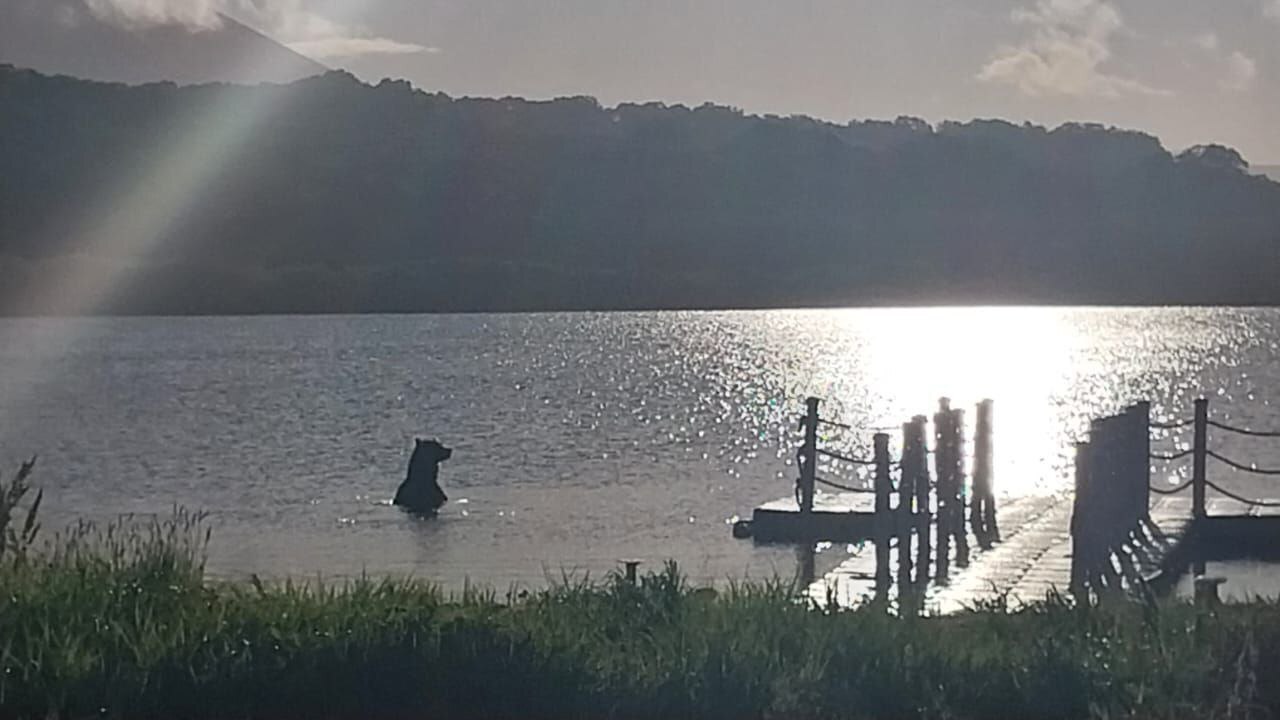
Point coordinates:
[(1115, 534), (1034, 558)]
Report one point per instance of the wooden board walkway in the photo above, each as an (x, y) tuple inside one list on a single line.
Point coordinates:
[(1112, 534), (1033, 560)]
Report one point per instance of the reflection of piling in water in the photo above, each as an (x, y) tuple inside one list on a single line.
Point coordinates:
[(806, 564)]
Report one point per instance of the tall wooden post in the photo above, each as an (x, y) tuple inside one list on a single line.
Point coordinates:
[(1106, 513), (1199, 454), (905, 520), (1130, 473), (943, 467), (808, 458), (884, 518), (924, 505), (960, 490), (1080, 547), (1142, 459), (983, 517)]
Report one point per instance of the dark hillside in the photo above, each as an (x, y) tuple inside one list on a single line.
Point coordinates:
[(332, 195)]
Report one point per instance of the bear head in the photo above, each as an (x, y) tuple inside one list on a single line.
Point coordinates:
[(431, 450)]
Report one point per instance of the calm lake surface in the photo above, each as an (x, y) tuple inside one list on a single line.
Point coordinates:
[(578, 439)]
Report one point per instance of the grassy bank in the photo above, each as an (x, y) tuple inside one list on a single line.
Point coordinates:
[(120, 622)]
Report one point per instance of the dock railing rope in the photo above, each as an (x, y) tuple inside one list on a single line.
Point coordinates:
[(807, 459), (1241, 466), (1244, 431), (1201, 452), (1247, 501), (845, 458), (846, 488)]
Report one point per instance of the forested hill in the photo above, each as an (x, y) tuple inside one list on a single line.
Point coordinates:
[(329, 195)]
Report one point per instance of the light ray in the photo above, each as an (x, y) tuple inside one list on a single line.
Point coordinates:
[(122, 228)]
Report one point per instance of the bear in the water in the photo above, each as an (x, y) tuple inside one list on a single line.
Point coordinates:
[(420, 492)]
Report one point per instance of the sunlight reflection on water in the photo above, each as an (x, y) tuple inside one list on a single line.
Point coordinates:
[(579, 438)]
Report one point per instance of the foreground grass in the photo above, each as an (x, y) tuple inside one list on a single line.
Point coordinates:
[(120, 622)]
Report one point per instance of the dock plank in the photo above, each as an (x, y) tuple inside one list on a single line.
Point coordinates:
[(1033, 560)]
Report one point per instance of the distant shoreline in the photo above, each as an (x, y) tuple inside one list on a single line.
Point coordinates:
[(639, 310)]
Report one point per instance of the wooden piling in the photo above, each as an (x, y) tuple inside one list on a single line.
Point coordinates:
[(1111, 512), (1080, 550), (884, 518), (960, 490), (807, 457), (630, 567), (919, 466), (1142, 458), (983, 516), (1107, 506), (1199, 454), (905, 518), (943, 467)]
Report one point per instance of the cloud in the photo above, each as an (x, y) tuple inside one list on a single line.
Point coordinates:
[(340, 47), (1271, 9), (1241, 72), (142, 14), (1065, 55), (1206, 41), (287, 21), (1238, 70)]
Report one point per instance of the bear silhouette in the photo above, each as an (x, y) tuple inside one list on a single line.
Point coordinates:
[(420, 492)]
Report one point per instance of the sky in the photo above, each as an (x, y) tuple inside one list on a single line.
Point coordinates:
[(1188, 71)]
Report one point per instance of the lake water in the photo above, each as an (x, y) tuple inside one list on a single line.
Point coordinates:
[(578, 439)]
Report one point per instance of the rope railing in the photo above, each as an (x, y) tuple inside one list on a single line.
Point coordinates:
[(846, 426), (844, 458), (1244, 431), (1247, 501), (1171, 458), (1241, 466), (846, 488)]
